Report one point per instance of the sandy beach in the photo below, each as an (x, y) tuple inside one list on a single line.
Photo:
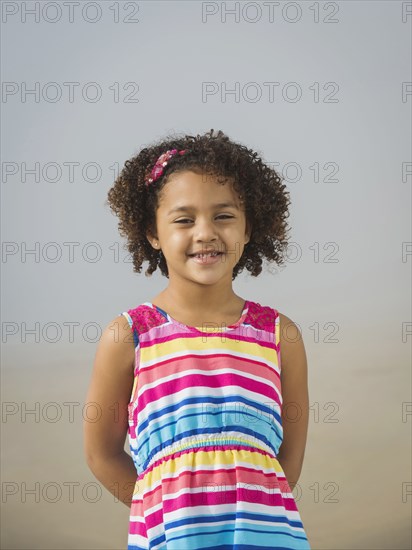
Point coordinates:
[(349, 495)]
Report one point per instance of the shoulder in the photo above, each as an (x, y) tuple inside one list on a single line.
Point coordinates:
[(116, 342), (292, 347), (289, 330)]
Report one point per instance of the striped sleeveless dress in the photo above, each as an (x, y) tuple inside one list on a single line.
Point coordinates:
[(204, 431)]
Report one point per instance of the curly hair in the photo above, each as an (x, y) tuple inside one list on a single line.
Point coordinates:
[(261, 187)]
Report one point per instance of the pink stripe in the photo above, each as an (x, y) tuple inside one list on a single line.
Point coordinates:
[(211, 497), (216, 381), (215, 498), (176, 365), (138, 527)]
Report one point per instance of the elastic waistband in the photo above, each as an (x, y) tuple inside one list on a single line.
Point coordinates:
[(228, 439)]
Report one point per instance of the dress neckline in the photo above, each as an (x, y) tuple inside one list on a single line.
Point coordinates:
[(223, 327)]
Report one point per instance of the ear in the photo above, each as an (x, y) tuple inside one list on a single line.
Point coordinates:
[(152, 239), (248, 231)]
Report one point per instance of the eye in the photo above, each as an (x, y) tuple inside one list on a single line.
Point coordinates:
[(187, 219)]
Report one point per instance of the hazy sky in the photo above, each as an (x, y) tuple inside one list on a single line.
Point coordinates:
[(318, 91)]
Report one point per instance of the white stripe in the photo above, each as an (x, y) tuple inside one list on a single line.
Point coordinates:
[(257, 508), (137, 540), (245, 521)]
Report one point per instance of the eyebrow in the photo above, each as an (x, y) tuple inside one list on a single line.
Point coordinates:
[(215, 206)]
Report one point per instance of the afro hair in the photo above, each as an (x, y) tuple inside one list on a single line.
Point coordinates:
[(260, 187)]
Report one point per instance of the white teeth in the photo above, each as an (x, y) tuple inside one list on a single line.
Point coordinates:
[(209, 254)]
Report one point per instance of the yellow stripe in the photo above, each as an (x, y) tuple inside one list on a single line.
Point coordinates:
[(277, 331), (186, 345)]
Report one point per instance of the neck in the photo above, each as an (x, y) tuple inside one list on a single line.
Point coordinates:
[(200, 302)]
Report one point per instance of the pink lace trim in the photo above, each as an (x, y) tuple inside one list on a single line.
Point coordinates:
[(145, 318), (261, 317)]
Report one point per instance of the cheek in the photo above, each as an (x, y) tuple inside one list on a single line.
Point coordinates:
[(238, 231), (177, 239)]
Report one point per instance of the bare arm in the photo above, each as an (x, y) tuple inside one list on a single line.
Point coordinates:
[(107, 400), (295, 410)]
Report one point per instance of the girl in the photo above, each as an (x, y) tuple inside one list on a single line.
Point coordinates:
[(211, 388)]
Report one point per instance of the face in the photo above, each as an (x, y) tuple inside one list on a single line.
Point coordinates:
[(190, 219)]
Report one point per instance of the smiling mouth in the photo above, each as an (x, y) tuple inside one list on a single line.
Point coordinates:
[(212, 254)]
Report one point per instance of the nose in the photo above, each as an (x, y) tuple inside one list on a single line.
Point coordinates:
[(205, 230)]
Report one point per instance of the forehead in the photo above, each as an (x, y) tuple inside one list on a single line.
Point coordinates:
[(192, 189)]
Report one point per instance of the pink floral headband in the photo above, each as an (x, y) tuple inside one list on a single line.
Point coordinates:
[(160, 164)]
